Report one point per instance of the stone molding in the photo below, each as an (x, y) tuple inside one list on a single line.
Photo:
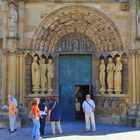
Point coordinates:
[(81, 19)]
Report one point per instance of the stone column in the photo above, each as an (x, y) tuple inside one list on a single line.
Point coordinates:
[(133, 78), (4, 75), (133, 27), (12, 74), (22, 79), (137, 77)]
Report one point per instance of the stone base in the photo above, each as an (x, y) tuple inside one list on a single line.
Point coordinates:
[(131, 122), (110, 91), (117, 120), (36, 90), (102, 90), (118, 91), (22, 118), (137, 122)]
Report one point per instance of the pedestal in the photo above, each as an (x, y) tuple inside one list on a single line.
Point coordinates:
[(42, 91), (49, 92), (110, 91), (36, 90), (102, 90)]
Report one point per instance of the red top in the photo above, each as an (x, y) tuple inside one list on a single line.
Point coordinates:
[(36, 110)]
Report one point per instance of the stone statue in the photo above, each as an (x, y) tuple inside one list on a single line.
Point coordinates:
[(110, 75), (43, 79), (102, 76), (50, 74), (118, 76), (42, 45), (138, 23), (12, 24), (35, 75)]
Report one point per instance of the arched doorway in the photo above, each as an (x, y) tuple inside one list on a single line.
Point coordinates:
[(80, 23), (75, 71)]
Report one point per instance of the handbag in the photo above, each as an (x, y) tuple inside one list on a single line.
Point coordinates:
[(32, 117)]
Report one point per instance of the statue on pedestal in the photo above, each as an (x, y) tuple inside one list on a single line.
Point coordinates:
[(110, 75), (43, 79), (102, 76), (35, 75), (118, 76), (138, 23), (50, 75), (12, 22)]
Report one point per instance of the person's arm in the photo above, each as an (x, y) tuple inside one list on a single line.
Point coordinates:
[(83, 107), (93, 109)]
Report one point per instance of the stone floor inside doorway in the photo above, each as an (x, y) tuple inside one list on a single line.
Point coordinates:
[(76, 131)]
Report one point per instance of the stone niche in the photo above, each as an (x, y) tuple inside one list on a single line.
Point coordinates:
[(28, 75), (112, 108)]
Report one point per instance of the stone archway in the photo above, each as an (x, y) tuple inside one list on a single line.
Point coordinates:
[(81, 19)]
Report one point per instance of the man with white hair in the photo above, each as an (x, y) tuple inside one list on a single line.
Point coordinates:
[(15, 103), (88, 108), (13, 99)]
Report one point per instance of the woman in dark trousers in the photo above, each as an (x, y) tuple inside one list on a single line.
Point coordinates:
[(43, 113), (54, 115)]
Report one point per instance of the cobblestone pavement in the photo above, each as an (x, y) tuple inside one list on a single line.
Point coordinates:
[(76, 131)]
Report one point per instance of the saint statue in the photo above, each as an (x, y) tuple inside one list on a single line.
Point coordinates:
[(102, 76), (35, 74), (110, 75), (138, 23), (43, 79), (50, 74), (12, 25), (42, 45), (118, 76)]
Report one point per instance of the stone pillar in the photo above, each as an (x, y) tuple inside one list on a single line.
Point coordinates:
[(22, 79), (4, 75), (12, 74), (133, 27), (133, 78), (137, 77)]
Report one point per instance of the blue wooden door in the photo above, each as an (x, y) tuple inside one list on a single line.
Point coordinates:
[(73, 70)]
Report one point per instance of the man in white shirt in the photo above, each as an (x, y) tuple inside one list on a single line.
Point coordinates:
[(88, 108)]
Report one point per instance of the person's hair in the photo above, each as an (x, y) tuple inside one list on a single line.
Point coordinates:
[(42, 100), (88, 95), (35, 101), (53, 99)]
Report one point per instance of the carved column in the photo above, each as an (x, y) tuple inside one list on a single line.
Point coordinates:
[(133, 27), (137, 77), (22, 78), (133, 78), (4, 75), (12, 74)]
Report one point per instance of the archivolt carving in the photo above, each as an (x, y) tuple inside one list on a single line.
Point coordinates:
[(81, 19)]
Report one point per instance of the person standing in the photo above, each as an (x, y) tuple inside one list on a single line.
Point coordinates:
[(16, 104), (12, 114), (36, 123), (43, 113), (54, 116), (88, 108)]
